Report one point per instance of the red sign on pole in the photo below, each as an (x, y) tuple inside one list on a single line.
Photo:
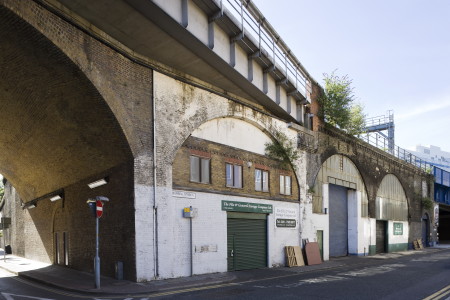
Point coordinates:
[(99, 206)]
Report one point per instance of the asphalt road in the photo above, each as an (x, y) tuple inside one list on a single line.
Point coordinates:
[(407, 277)]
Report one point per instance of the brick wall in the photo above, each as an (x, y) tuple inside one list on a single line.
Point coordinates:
[(32, 233), (222, 154)]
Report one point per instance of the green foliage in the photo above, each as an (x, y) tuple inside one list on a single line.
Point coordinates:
[(357, 116), (311, 190), (427, 203), (337, 107), (283, 149)]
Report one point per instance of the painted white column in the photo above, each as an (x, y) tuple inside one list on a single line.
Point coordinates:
[(354, 212), (326, 221), (143, 203)]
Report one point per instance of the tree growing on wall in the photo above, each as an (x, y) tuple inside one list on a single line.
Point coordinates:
[(337, 106), (283, 149)]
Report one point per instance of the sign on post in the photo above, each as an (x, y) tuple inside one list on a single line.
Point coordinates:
[(99, 208), (96, 206)]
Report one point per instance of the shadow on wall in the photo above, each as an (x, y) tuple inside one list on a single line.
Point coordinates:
[(63, 232)]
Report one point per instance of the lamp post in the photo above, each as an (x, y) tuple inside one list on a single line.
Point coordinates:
[(96, 206)]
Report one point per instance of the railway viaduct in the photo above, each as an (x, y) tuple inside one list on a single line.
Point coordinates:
[(108, 90)]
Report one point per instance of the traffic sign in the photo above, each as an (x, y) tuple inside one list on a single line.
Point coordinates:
[(99, 208)]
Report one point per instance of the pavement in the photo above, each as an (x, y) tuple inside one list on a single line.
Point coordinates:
[(81, 282)]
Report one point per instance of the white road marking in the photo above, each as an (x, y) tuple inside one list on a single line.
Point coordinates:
[(11, 297), (371, 271)]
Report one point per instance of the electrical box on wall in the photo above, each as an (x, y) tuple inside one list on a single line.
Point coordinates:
[(189, 212)]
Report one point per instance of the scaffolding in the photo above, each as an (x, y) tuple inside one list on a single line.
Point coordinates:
[(380, 124)]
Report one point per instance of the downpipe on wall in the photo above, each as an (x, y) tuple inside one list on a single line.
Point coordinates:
[(155, 207)]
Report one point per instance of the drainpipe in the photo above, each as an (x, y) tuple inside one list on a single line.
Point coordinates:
[(155, 208)]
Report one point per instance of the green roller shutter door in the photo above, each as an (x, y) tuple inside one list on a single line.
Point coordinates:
[(247, 241)]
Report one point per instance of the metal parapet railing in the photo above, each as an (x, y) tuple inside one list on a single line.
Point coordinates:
[(377, 140), (269, 41)]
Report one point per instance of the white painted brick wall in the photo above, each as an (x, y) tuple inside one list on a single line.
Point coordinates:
[(210, 229)]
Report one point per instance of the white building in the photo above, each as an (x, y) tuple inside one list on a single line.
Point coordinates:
[(433, 155)]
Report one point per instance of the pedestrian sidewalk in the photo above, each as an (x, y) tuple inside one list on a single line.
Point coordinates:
[(82, 282)]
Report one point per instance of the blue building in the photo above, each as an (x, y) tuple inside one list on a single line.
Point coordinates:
[(441, 196)]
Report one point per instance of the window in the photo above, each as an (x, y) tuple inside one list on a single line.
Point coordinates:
[(285, 185), (234, 175), (261, 180), (200, 169)]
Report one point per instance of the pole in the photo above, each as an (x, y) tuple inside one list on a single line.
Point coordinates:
[(192, 259), (97, 258), (4, 243)]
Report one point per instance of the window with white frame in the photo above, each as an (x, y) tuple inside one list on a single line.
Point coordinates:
[(233, 175), (261, 180), (285, 185), (200, 169)]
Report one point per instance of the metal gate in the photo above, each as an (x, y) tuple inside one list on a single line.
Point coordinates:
[(247, 241), (338, 210), (381, 237)]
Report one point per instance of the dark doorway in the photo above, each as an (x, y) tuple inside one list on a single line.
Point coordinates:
[(425, 230), (381, 236)]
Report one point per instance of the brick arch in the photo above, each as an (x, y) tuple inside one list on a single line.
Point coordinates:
[(56, 128), (246, 114), (125, 86), (359, 178)]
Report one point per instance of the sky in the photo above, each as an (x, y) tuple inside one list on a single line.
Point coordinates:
[(397, 52)]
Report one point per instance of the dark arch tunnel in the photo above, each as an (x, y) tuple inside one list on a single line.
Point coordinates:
[(55, 128), (57, 132)]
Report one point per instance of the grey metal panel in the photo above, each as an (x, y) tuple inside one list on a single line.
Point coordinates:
[(247, 239), (339, 170), (391, 202), (338, 210)]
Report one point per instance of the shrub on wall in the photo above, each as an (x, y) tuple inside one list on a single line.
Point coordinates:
[(427, 203)]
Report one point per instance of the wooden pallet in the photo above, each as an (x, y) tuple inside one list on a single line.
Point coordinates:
[(418, 244), (294, 256)]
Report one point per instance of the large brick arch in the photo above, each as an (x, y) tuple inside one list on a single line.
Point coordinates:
[(356, 177), (373, 165), (125, 86), (190, 107), (56, 128)]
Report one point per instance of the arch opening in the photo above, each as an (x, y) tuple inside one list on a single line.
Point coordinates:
[(57, 133)]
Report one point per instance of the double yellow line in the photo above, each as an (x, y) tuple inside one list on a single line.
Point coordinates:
[(439, 294)]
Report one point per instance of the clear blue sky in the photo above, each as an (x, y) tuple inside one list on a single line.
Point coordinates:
[(397, 53)]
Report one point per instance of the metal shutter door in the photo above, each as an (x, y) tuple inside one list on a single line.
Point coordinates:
[(247, 240), (338, 220)]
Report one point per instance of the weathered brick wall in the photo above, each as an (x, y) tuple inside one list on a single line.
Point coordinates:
[(92, 71), (33, 230), (220, 154), (125, 85), (373, 165)]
